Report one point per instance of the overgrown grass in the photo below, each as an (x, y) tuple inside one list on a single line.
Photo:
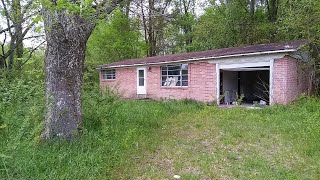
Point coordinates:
[(274, 143), (155, 140), (114, 131)]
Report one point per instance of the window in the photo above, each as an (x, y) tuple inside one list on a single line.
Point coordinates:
[(109, 74), (174, 75), (141, 77)]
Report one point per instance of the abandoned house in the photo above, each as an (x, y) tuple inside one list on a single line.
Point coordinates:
[(273, 73)]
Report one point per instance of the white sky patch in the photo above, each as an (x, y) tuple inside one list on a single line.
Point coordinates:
[(29, 42)]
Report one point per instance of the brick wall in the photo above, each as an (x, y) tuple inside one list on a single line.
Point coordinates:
[(125, 83), (290, 80), (201, 83)]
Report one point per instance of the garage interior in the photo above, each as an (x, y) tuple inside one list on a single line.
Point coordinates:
[(250, 84)]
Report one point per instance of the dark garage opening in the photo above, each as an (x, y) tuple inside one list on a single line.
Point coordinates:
[(252, 83)]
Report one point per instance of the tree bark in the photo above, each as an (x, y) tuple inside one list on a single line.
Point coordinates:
[(18, 18), (11, 49), (2, 63), (187, 27), (66, 35), (272, 6), (152, 42)]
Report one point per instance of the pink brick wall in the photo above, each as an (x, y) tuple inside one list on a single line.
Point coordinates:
[(125, 83), (289, 80), (201, 83)]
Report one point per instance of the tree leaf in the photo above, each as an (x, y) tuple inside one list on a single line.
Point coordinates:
[(5, 156)]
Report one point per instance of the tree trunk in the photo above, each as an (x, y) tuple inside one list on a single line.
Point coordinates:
[(11, 49), (145, 29), (19, 41), (127, 7), (2, 63), (187, 28), (152, 42), (16, 42), (272, 6), (67, 35), (18, 18)]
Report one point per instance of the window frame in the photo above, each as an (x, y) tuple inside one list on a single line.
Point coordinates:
[(170, 70), (108, 74)]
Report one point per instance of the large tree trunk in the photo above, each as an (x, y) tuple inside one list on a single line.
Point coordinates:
[(67, 35), (18, 18)]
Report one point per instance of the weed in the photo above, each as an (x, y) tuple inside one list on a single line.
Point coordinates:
[(158, 139)]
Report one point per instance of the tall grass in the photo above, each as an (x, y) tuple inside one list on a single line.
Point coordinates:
[(127, 139), (115, 132)]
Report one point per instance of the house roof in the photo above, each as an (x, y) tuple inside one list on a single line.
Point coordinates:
[(212, 54)]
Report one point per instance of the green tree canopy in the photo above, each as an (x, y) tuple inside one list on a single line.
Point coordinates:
[(115, 39)]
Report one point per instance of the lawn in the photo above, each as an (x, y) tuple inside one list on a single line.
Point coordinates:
[(157, 140)]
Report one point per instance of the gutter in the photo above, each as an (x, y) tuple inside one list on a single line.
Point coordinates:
[(199, 59)]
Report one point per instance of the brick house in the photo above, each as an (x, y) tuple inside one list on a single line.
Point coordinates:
[(274, 73)]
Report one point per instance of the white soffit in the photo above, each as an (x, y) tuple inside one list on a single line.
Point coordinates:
[(248, 69), (244, 65), (247, 61), (235, 58)]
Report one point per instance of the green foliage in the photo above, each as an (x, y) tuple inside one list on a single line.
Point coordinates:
[(113, 130), (147, 139), (300, 20), (210, 31), (179, 33), (84, 8), (115, 39), (18, 90), (231, 24), (126, 139)]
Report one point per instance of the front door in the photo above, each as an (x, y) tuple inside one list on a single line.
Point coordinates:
[(141, 80)]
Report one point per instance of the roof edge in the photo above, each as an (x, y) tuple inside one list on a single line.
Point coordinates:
[(199, 59)]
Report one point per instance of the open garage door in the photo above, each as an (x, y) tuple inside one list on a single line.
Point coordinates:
[(248, 85)]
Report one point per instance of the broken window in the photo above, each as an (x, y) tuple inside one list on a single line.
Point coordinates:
[(174, 75)]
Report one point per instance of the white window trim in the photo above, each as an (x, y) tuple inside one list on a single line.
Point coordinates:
[(168, 86), (113, 74)]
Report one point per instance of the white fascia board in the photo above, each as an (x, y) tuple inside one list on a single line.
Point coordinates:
[(244, 65), (249, 59), (248, 69), (213, 60)]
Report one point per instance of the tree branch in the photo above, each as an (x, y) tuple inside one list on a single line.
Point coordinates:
[(31, 37), (7, 54), (107, 6), (30, 54), (6, 29)]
